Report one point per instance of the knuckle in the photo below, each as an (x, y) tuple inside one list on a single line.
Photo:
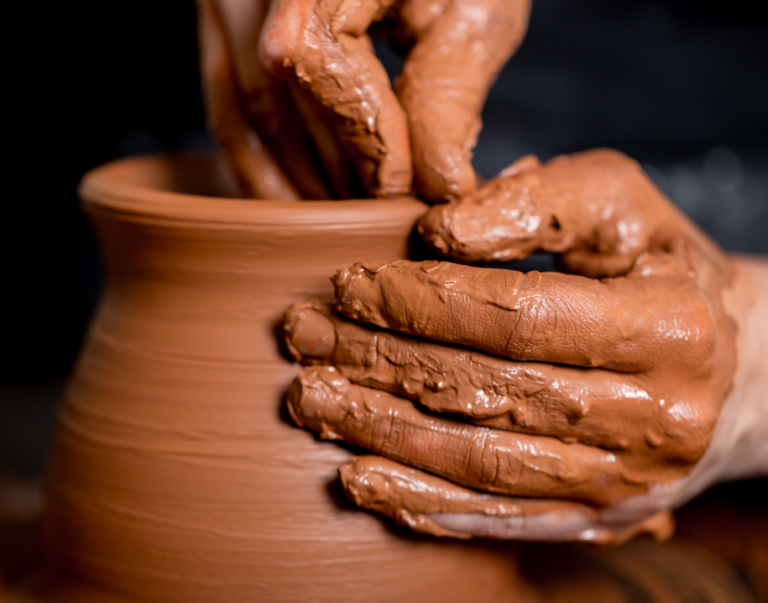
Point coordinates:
[(693, 329), (688, 425)]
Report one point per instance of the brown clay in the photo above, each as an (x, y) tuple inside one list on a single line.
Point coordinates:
[(323, 47), (613, 385), (173, 475), (596, 208), (446, 509), (458, 49), (335, 92), (250, 112), (255, 167)]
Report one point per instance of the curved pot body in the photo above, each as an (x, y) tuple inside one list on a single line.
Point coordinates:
[(175, 475)]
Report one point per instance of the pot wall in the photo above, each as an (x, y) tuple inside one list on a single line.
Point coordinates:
[(175, 476)]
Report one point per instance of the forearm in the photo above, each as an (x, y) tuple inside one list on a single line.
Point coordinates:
[(747, 302)]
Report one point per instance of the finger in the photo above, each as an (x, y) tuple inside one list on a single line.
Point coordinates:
[(337, 164), (266, 100), (431, 505), (322, 47), (597, 208), (492, 460), (460, 48), (256, 169), (592, 406), (543, 317), (422, 502)]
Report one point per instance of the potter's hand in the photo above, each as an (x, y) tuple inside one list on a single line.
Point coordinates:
[(591, 407), (263, 67)]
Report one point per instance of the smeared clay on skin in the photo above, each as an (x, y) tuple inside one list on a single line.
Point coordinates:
[(321, 51), (492, 460), (628, 372), (250, 112), (570, 403), (541, 317), (428, 504), (459, 47), (653, 336), (594, 407), (323, 47), (257, 170), (597, 208)]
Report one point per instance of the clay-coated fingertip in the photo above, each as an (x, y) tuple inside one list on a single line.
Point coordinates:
[(316, 400), (309, 331), (350, 481), (430, 228), (293, 401), (341, 281), (366, 484), (356, 292), (445, 174)]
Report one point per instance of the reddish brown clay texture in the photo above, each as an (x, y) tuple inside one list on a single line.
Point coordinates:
[(306, 70), (580, 388), (174, 476)]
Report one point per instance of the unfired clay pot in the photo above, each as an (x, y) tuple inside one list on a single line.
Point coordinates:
[(175, 475)]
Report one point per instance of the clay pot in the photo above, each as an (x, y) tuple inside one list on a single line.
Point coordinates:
[(175, 475)]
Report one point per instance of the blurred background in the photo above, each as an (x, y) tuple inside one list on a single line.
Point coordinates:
[(680, 85)]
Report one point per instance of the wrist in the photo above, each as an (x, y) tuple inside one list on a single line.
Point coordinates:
[(747, 302)]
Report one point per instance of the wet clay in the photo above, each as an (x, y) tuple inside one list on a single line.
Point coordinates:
[(174, 475), (612, 385), (323, 47), (257, 170), (458, 48), (597, 209), (567, 402), (251, 113), (488, 459), (447, 509), (662, 378), (497, 461), (334, 92)]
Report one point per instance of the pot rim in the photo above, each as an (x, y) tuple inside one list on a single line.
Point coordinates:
[(109, 189)]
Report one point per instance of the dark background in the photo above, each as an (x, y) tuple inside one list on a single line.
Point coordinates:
[(680, 85)]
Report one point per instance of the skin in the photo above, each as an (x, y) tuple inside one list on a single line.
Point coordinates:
[(291, 82), (249, 112), (585, 405)]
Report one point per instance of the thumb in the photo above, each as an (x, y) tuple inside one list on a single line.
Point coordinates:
[(598, 209), (431, 505)]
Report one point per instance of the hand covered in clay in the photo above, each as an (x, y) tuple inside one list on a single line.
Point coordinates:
[(288, 80), (549, 406)]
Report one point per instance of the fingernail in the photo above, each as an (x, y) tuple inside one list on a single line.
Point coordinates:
[(318, 400)]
